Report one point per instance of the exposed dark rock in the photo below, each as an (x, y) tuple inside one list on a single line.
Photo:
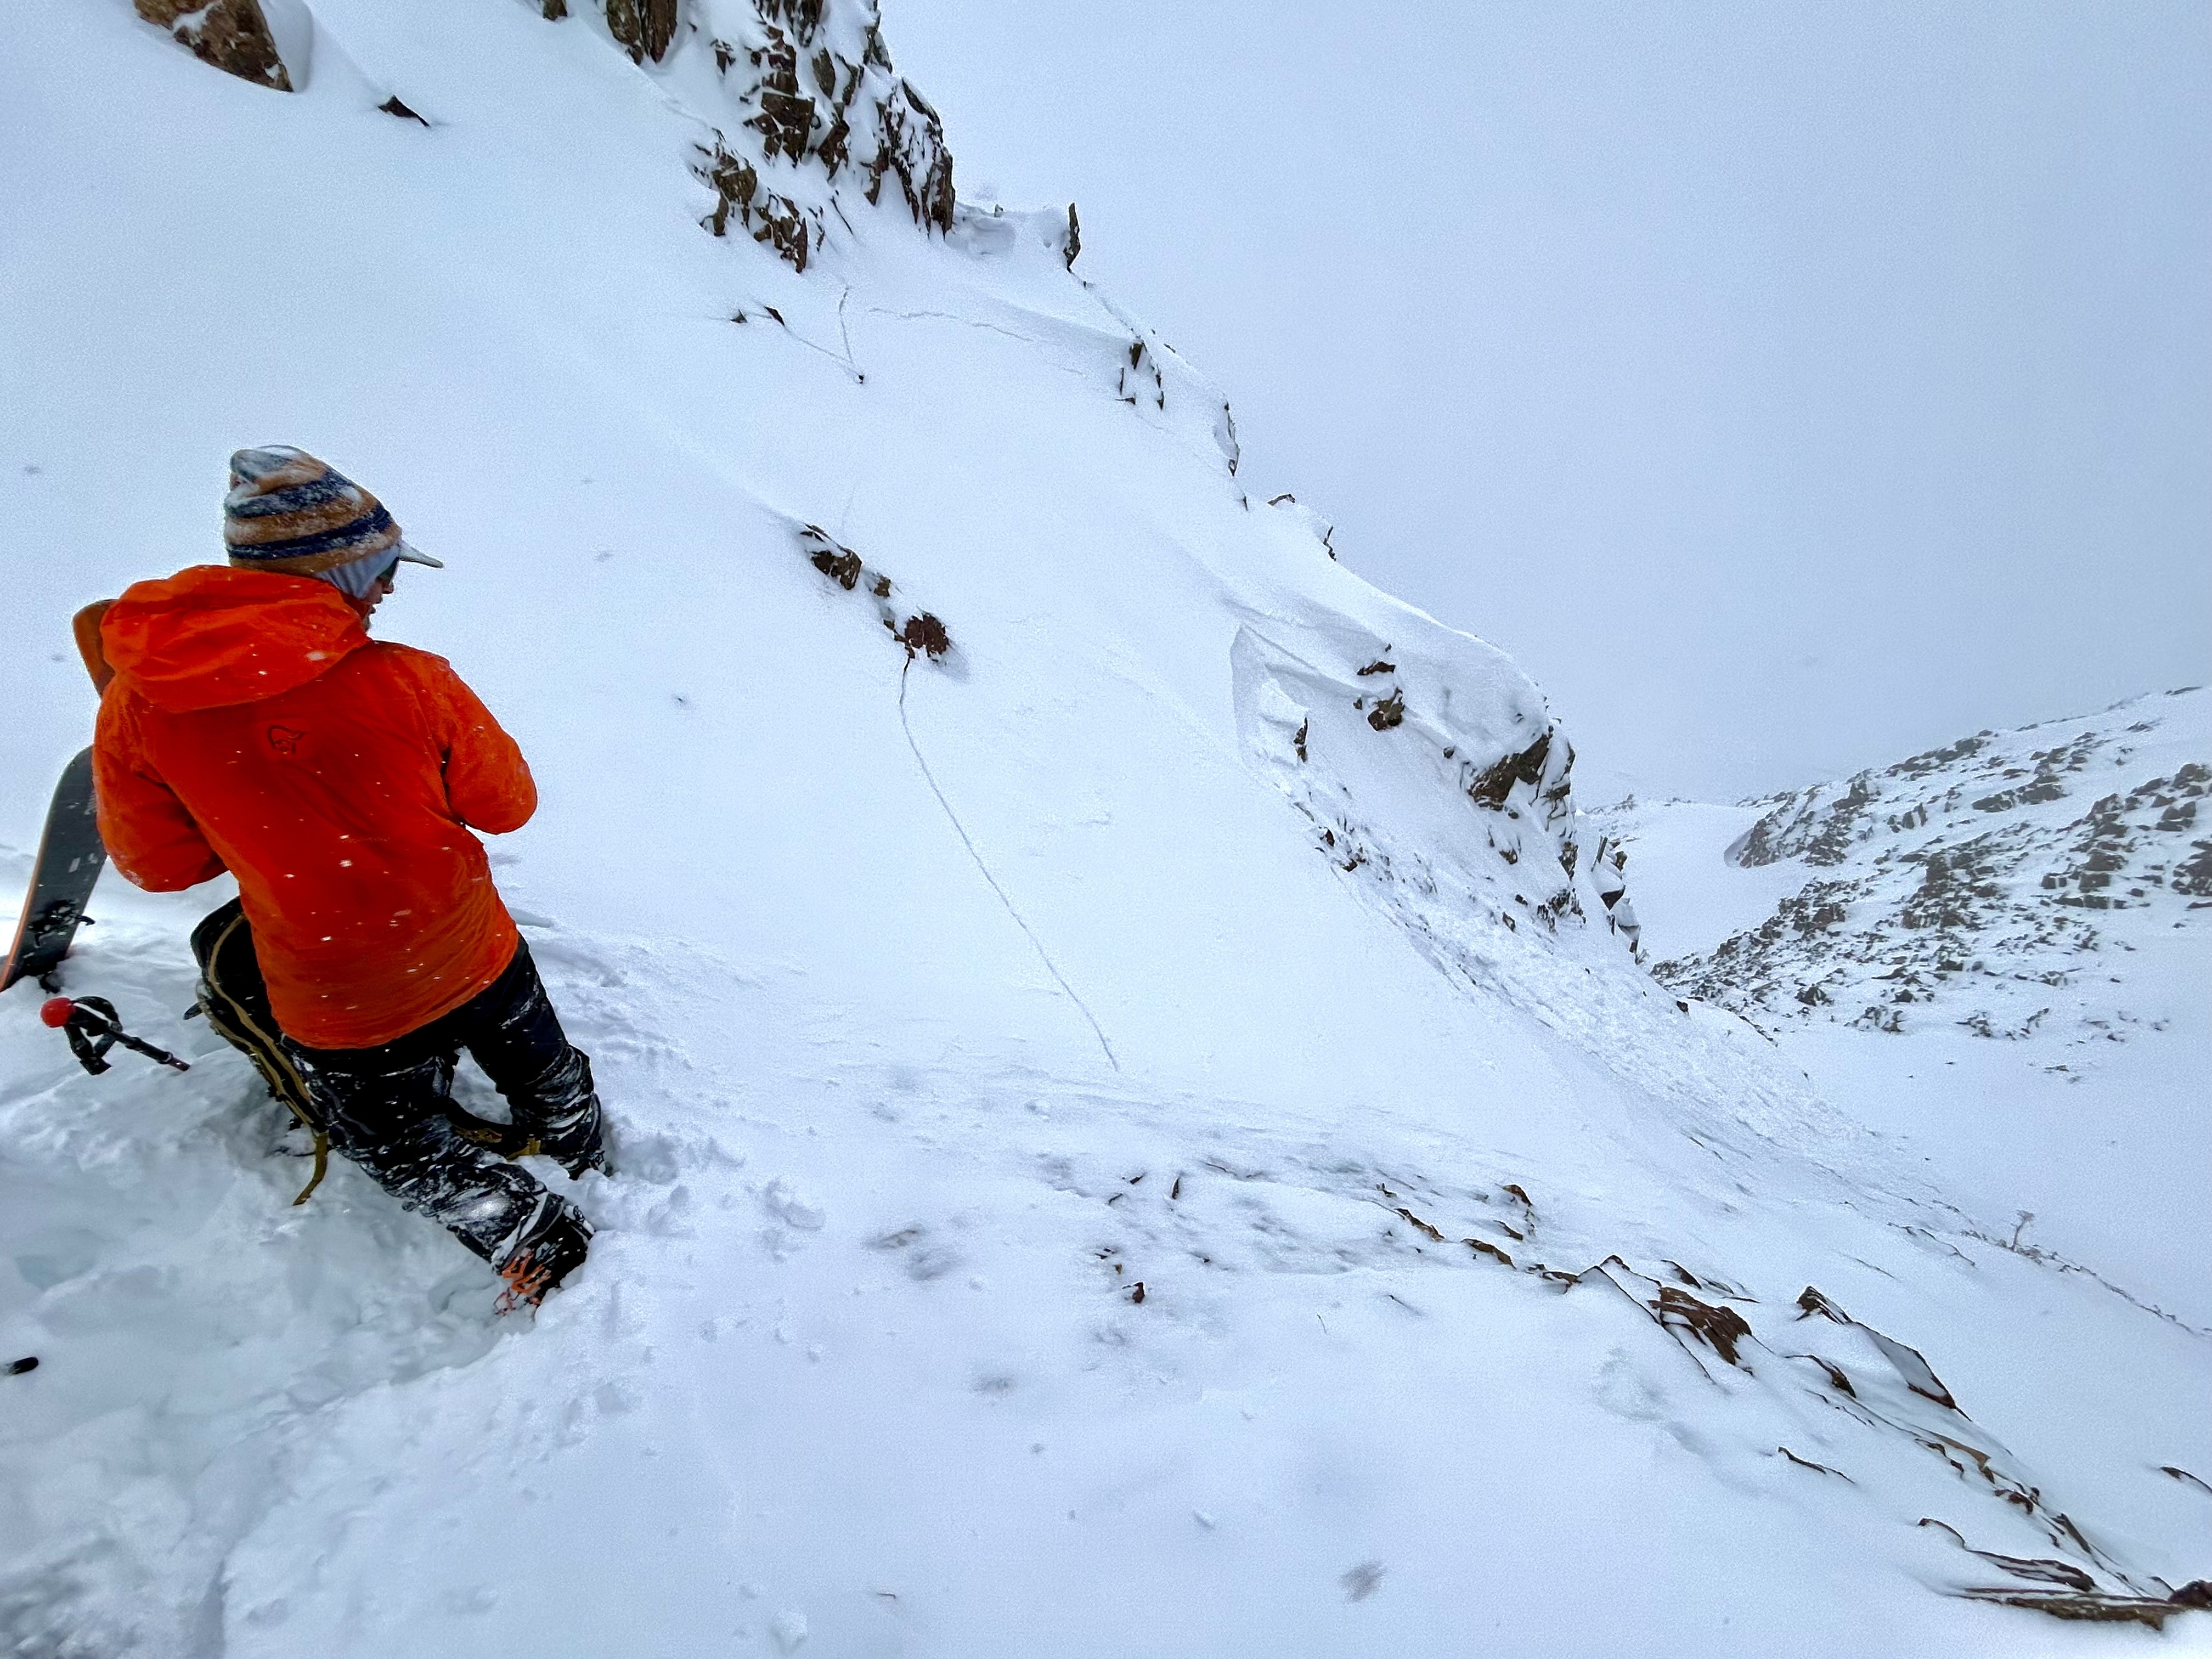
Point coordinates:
[(1720, 1328), (814, 86), (1141, 379), (231, 35), (921, 632), (924, 634), (644, 27), (2194, 876), (1388, 712), (1495, 782), (2088, 1608), (844, 569)]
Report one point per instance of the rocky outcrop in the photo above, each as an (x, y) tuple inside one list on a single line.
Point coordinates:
[(233, 35), (922, 633), (1431, 775), (814, 107), (816, 111), (646, 28)]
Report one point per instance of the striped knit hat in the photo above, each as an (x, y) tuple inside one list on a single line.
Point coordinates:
[(288, 512)]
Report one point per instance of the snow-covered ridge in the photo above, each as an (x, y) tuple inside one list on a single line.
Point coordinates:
[(1997, 884)]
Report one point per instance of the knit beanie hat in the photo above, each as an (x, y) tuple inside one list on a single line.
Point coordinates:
[(290, 513)]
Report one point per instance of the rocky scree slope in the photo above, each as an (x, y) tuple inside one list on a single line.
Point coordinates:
[(1998, 884)]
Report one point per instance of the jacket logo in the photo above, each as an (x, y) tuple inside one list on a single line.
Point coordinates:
[(285, 740)]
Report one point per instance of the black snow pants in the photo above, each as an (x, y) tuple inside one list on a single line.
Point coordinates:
[(386, 1108)]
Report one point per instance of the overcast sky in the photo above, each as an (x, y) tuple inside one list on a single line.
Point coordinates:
[(1788, 386)]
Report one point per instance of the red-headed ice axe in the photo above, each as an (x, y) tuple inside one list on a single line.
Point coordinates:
[(93, 1029)]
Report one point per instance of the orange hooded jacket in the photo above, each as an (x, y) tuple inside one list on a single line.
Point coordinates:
[(254, 726)]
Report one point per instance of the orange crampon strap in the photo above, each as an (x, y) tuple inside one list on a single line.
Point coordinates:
[(527, 1281)]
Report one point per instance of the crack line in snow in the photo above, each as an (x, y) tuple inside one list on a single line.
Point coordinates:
[(1044, 346), (845, 333), (949, 316), (848, 362), (953, 818)]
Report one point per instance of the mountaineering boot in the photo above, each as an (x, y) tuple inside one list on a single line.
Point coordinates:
[(552, 1244)]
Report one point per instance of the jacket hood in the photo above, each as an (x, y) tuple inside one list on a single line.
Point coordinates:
[(212, 636)]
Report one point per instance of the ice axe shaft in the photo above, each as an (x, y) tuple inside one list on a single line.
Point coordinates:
[(93, 1028)]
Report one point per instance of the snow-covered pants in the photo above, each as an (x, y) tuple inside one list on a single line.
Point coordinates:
[(385, 1108)]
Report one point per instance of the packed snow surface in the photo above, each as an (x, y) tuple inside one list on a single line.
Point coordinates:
[(1138, 1131)]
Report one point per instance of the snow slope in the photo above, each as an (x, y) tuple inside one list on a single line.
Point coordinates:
[(1137, 1133)]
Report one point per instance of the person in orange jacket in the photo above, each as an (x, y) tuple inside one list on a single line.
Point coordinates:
[(252, 725)]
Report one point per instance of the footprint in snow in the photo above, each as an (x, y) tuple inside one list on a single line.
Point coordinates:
[(788, 1207)]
